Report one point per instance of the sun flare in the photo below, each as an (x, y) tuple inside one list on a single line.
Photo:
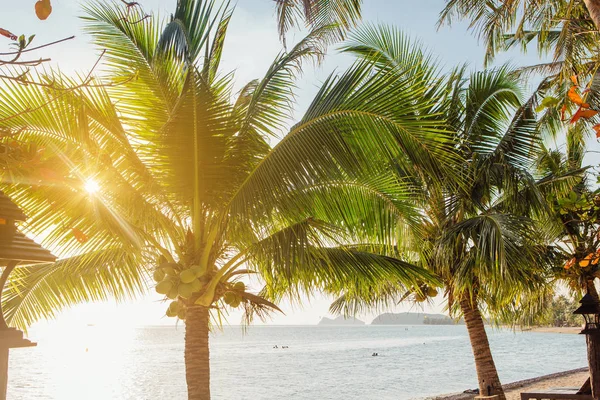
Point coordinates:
[(91, 186)]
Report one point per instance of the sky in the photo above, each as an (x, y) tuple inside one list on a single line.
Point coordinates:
[(251, 45)]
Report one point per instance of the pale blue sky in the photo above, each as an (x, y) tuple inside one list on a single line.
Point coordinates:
[(251, 45)]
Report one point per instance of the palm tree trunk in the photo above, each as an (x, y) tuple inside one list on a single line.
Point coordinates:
[(593, 350), (593, 353), (489, 382), (197, 358), (593, 7)]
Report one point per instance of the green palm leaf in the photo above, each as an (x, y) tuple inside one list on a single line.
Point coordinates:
[(42, 291), (316, 14)]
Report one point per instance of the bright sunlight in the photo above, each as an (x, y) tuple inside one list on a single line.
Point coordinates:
[(91, 186)]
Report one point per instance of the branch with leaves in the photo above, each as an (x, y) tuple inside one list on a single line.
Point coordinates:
[(130, 6), (576, 96), (580, 215), (43, 9)]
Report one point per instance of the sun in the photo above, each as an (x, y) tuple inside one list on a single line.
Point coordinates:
[(91, 186)]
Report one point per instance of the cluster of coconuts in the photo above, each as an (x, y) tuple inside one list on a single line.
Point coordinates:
[(174, 280), (233, 296), (176, 309), (424, 292)]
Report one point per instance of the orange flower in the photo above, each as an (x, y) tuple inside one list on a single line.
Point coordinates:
[(597, 129), (576, 98), (574, 80), (596, 258), (586, 261), (583, 113)]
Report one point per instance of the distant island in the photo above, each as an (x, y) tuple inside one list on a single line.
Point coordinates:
[(406, 318), (414, 319), (340, 321)]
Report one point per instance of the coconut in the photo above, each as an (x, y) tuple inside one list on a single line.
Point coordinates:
[(432, 292), (239, 286), (185, 290), (187, 276), (196, 285), (159, 275), (181, 313), (164, 287), (228, 297), (236, 301), (174, 306), (173, 293), (171, 313)]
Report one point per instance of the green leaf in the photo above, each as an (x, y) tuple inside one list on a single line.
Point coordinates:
[(547, 102)]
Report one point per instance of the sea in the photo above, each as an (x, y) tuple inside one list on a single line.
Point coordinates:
[(309, 362)]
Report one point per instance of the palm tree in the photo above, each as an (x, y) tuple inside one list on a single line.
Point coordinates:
[(568, 31), (561, 29), (573, 211), (576, 226), (565, 30), (171, 174), (475, 234), (571, 229)]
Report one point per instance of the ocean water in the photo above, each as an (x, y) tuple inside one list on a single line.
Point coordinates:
[(322, 363)]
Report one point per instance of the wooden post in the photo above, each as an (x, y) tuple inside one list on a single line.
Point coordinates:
[(10, 338), (593, 349), (3, 278), (4, 345), (3, 372)]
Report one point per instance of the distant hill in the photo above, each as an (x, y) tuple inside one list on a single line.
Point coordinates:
[(340, 321), (412, 319)]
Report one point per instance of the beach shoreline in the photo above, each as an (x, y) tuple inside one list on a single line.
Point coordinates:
[(570, 378), (552, 329)]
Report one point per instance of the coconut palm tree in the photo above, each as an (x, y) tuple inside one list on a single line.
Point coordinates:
[(476, 235), (564, 30), (170, 173), (560, 29)]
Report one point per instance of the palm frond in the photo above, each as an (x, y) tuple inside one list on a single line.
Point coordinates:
[(145, 102), (500, 251), (338, 128), (257, 306), (187, 33), (316, 14), (42, 291)]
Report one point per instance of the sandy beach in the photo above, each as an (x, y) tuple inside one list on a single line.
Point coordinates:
[(551, 329), (572, 378)]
